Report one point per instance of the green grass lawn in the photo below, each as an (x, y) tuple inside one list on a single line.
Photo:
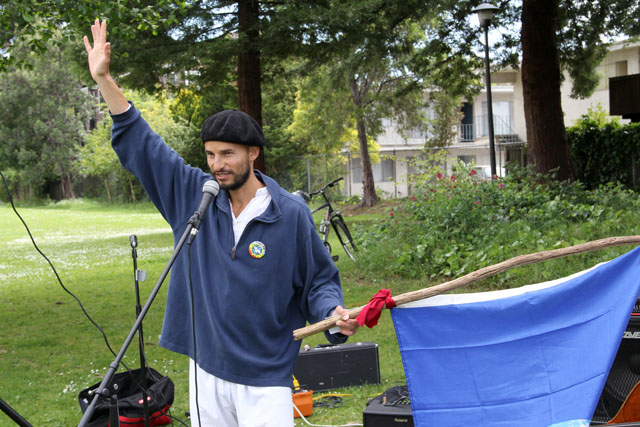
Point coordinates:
[(49, 351)]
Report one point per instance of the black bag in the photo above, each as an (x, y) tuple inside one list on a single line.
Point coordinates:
[(159, 400)]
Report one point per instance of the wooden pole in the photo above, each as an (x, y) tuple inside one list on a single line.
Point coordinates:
[(483, 273)]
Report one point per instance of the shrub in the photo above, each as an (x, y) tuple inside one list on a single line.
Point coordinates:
[(603, 151), (456, 224)]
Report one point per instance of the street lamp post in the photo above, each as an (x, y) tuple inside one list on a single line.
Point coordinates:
[(485, 14)]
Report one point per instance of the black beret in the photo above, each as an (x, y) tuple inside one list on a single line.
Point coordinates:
[(232, 126)]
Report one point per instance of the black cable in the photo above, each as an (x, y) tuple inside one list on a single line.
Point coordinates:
[(328, 402), (54, 269), (104, 335), (193, 330)]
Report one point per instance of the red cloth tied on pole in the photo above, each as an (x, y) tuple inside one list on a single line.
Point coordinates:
[(371, 312)]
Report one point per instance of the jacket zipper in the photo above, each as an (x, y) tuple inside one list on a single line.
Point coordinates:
[(233, 249)]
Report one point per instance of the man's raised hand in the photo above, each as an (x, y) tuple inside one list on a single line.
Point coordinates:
[(99, 55)]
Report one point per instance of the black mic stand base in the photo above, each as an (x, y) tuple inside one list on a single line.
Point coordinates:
[(113, 367)]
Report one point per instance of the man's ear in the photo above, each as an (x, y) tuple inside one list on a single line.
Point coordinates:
[(254, 152)]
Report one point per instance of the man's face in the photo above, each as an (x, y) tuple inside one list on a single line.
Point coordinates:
[(230, 164)]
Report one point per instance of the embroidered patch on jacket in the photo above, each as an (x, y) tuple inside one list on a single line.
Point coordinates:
[(257, 249)]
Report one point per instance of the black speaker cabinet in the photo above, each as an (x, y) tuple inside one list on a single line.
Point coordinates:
[(391, 408), (332, 366), (624, 374)]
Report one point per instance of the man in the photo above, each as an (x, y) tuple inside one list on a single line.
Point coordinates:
[(258, 269)]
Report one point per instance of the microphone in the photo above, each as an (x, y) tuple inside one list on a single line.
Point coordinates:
[(209, 192)]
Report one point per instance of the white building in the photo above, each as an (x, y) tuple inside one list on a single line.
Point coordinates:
[(623, 59), (472, 142)]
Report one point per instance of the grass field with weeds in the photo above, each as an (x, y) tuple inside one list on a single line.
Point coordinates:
[(49, 351)]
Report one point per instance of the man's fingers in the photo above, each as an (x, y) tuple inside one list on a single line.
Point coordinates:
[(342, 312), (348, 327), (87, 45), (94, 31), (103, 31)]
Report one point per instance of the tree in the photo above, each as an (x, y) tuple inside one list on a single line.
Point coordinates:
[(557, 36), (548, 147), (222, 42), (213, 40), (395, 52), (323, 125), (42, 115), (356, 92), (97, 159), (442, 128)]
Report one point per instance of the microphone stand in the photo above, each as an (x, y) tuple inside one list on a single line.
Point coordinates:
[(140, 275), (113, 367), (4, 406)]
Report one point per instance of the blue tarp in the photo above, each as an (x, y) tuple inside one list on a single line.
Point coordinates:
[(538, 355)]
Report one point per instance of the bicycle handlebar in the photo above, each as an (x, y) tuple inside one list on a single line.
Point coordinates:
[(323, 189)]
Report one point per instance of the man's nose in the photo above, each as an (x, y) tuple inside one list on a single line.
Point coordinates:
[(216, 163)]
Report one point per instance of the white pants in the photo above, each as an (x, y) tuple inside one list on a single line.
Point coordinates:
[(226, 404)]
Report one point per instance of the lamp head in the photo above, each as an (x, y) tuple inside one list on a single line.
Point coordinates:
[(485, 13)]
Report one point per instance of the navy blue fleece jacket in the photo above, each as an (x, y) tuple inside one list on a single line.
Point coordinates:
[(245, 307)]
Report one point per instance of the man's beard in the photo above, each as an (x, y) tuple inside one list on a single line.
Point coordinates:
[(238, 178)]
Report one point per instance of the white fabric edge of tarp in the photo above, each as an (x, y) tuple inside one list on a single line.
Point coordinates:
[(468, 298)]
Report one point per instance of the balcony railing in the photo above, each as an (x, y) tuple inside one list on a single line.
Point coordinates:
[(480, 129)]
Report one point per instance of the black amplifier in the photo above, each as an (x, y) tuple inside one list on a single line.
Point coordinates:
[(635, 314), (328, 366), (392, 408), (624, 373)]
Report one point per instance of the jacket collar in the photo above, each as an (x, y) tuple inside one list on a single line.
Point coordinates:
[(272, 213)]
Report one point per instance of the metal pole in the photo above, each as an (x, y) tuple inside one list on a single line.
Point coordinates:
[(308, 176), (349, 174), (133, 241), (11, 413), (492, 148)]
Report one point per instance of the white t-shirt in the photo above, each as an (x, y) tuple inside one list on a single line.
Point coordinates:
[(254, 208)]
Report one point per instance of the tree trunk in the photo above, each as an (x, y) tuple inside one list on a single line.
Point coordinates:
[(65, 184), (133, 193), (369, 197), (106, 184), (249, 68), (548, 147)]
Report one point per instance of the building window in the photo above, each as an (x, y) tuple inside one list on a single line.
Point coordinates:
[(356, 171), (502, 114), (468, 159), (382, 171), (621, 68)]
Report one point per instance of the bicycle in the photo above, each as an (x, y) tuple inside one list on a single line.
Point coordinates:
[(333, 218)]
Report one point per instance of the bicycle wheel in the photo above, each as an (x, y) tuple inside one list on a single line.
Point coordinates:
[(344, 236)]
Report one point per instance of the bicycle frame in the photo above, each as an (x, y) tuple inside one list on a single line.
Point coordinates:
[(324, 223), (333, 218)]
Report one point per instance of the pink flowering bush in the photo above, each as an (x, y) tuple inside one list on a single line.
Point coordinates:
[(455, 223)]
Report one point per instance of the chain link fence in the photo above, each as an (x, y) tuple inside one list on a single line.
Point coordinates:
[(393, 172)]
